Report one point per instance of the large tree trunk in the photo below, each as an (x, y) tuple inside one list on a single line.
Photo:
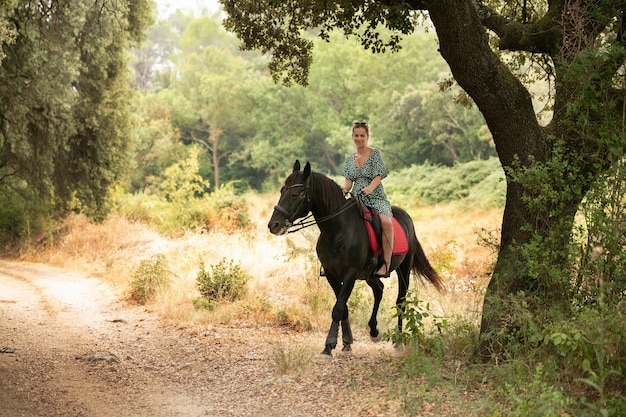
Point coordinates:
[(506, 105)]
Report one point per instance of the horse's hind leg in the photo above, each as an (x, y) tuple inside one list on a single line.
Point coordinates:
[(404, 274), (377, 287)]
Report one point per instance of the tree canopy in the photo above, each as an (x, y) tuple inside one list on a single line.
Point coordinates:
[(64, 108), (211, 90), (65, 100)]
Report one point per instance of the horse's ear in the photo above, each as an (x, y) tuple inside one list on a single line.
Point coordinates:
[(296, 166), (307, 170)]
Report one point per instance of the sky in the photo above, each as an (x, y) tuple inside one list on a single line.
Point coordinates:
[(166, 7)]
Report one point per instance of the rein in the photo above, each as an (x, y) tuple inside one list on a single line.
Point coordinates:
[(307, 221)]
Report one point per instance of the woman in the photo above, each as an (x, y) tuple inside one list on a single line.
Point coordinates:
[(364, 171)]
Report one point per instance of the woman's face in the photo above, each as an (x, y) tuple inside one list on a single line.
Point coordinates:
[(359, 136)]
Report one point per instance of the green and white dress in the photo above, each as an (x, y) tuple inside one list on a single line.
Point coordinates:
[(362, 177)]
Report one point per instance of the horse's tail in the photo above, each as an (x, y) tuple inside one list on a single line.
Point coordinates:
[(422, 267)]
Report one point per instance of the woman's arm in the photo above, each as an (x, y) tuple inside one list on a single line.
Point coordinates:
[(347, 185)]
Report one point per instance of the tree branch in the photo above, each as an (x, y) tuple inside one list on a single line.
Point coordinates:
[(542, 35)]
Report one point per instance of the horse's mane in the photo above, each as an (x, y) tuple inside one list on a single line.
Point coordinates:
[(328, 190)]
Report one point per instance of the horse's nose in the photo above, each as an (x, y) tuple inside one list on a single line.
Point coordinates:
[(276, 228), (273, 226)]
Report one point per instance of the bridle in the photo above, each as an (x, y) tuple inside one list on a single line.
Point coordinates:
[(307, 221)]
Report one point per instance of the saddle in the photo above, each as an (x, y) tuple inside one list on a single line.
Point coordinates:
[(375, 231)]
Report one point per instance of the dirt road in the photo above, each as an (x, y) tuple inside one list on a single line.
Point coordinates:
[(69, 347)]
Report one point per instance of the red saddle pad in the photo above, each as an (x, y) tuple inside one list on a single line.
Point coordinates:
[(400, 242)]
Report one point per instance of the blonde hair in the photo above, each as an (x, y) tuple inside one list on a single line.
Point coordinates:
[(364, 125)]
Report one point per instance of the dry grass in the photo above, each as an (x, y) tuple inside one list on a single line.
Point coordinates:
[(285, 287)]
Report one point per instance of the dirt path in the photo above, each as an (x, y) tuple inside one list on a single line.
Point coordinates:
[(70, 348)]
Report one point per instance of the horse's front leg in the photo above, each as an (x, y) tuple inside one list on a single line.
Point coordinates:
[(333, 335), (331, 339), (346, 334), (377, 287), (340, 315)]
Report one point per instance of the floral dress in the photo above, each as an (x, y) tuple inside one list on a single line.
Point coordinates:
[(362, 177)]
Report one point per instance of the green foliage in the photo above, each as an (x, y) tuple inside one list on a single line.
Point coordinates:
[(21, 220), (282, 124), (578, 357), (535, 397), (436, 126), (221, 210), (475, 183), (225, 281), (519, 329), (181, 181), (601, 239), (201, 303), (183, 202), (66, 130), (228, 210), (266, 26), (590, 352), (150, 276), (415, 318), (360, 304)]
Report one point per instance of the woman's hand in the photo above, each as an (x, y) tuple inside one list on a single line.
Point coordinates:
[(372, 186)]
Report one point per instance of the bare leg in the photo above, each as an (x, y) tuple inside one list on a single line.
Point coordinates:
[(387, 243)]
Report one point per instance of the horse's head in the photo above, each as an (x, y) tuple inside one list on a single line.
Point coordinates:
[(294, 200)]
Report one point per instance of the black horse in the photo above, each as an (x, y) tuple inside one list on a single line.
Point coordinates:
[(343, 247)]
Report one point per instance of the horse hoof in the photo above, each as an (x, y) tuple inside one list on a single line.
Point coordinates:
[(347, 349), (325, 356), (376, 338), (328, 352)]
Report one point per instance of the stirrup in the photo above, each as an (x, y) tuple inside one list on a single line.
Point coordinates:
[(387, 273)]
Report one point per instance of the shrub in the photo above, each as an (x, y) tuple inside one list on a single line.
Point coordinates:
[(414, 331), (151, 275), (225, 281), (24, 219), (476, 183), (227, 210), (200, 303), (532, 396)]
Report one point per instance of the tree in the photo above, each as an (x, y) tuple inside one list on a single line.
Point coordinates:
[(65, 100), (578, 46), (438, 129), (213, 85)]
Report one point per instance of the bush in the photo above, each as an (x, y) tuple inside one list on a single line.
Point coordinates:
[(151, 275), (227, 210), (24, 219), (477, 183), (221, 210), (225, 281), (414, 316)]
